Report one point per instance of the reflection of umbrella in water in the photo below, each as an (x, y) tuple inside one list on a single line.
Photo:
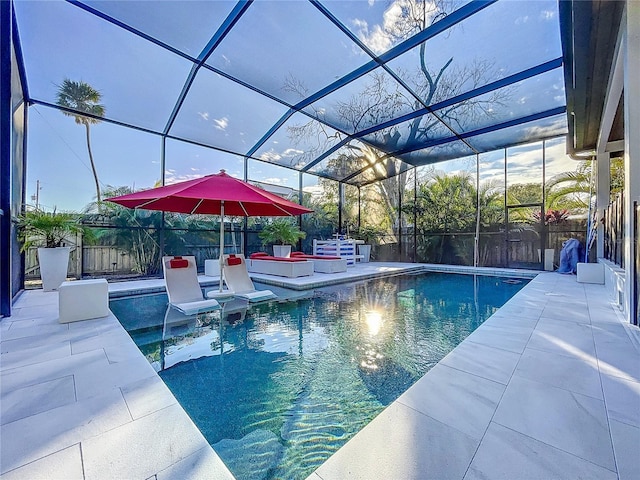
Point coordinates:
[(216, 194)]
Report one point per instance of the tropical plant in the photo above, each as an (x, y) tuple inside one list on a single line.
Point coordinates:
[(572, 190), (138, 231), (281, 231), (37, 228), (369, 234), (84, 99), (553, 217)]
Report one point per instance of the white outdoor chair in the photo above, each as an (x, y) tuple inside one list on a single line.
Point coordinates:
[(183, 289), (238, 281)]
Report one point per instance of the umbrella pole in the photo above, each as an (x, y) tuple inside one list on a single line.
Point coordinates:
[(221, 243)]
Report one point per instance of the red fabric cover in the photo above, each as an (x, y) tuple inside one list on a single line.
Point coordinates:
[(178, 262), (278, 259), (231, 261), (298, 254), (258, 254)]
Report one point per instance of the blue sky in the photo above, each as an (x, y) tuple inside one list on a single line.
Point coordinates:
[(275, 42)]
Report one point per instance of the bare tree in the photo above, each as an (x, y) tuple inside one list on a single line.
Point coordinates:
[(383, 98)]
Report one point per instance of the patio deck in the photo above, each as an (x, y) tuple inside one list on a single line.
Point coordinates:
[(548, 387)]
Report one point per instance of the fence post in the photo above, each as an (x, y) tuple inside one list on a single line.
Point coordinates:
[(79, 256)]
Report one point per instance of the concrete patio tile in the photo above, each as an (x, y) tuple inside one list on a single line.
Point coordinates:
[(174, 438), (64, 464), (201, 465), (19, 339), (566, 311), (402, 444), (513, 308), (95, 326), (506, 455), (617, 355), (94, 379), (565, 338), (146, 396), (114, 338), (622, 399), (35, 314), (603, 314), (510, 338), (36, 297), (578, 375), (626, 439), (458, 399), (487, 362), (569, 421), (27, 401), (501, 318), (31, 438), (34, 374), (597, 295), (34, 355)]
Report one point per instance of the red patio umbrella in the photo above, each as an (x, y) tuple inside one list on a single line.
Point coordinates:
[(216, 194)]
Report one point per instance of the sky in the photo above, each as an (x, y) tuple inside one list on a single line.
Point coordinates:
[(284, 47)]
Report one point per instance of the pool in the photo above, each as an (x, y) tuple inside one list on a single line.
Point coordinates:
[(277, 387)]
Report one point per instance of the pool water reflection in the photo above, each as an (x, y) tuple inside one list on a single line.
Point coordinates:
[(277, 387)]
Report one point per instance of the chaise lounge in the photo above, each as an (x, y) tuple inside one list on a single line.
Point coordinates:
[(238, 280), (183, 289)]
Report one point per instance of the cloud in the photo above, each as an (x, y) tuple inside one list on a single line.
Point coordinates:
[(270, 156), (275, 180), (380, 37), (170, 177), (274, 157), (221, 124), (292, 152), (547, 15)]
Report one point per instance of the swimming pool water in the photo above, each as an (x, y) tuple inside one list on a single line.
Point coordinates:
[(277, 387)]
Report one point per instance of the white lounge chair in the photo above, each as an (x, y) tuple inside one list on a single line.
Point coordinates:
[(237, 279), (183, 289)]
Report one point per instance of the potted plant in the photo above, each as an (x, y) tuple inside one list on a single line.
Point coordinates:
[(47, 231), (369, 235), (282, 232)]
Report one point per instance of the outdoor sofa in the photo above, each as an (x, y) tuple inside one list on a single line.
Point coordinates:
[(324, 263), (283, 267)]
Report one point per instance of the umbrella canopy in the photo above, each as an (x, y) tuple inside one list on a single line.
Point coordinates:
[(217, 194), (208, 195)]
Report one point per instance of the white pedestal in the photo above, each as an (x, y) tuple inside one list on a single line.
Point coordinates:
[(590, 273), (83, 300), (212, 268)]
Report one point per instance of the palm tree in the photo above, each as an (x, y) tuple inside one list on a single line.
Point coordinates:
[(83, 98)]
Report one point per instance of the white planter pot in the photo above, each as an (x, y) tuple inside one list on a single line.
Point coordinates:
[(53, 266), (365, 251), (283, 251), (549, 254)]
